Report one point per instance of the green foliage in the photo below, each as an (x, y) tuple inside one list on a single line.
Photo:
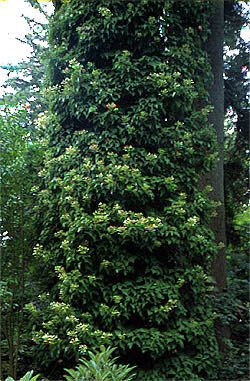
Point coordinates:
[(19, 160), (242, 219), (236, 67), (100, 367), (26, 78), (233, 308), (125, 237), (233, 304), (26, 377)]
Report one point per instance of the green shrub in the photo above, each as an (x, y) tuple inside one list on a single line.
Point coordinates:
[(99, 367), (26, 377), (232, 307)]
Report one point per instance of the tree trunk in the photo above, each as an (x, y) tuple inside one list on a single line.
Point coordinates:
[(216, 177)]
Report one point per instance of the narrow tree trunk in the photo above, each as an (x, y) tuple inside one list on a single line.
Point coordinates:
[(216, 177)]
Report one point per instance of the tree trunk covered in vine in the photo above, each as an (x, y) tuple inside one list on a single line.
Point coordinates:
[(125, 226), (216, 177)]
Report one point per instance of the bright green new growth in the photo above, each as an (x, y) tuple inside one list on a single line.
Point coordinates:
[(100, 367), (26, 377), (125, 227)]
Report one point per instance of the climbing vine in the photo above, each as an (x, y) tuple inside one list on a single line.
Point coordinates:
[(125, 236)]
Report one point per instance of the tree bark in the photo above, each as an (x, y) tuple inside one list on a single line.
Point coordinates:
[(215, 178)]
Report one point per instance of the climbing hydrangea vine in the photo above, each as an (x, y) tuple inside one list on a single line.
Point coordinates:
[(125, 233)]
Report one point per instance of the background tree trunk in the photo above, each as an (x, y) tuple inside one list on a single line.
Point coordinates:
[(216, 177)]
